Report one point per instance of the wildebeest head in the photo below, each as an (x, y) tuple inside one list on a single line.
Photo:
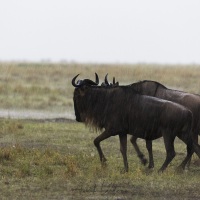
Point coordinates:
[(81, 88)]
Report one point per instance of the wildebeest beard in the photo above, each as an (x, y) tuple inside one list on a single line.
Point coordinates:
[(94, 107)]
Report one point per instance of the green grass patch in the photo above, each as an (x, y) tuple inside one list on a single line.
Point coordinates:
[(58, 161)]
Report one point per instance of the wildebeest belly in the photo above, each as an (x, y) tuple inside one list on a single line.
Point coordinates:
[(148, 134), (146, 130)]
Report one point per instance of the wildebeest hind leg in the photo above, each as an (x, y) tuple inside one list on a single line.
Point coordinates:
[(190, 151), (139, 153), (97, 141), (169, 146), (123, 149), (196, 145), (187, 159)]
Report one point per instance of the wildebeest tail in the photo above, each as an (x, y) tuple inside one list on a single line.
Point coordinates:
[(186, 121), (196, 149), (188, 129)]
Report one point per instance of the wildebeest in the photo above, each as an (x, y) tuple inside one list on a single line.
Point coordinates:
[(156, 89), (121, 110)]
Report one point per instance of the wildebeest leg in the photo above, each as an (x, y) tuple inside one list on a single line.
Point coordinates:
[(169, 146), (149, 148), (97, 141), (139, 153), (195, 137), (123, 149), (190, 151), (196, 149), (195, 144)]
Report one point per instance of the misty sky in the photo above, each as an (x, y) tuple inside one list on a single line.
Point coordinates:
[(125, 31)]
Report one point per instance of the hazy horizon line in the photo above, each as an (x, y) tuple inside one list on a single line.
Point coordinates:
[(63, 61)]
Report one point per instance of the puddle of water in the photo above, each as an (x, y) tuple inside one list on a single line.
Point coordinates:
[(32, 114)]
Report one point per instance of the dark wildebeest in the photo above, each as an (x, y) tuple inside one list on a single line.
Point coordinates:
[(121, 111), (155, 89)]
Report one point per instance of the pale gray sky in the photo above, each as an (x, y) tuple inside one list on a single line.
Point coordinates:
[(128, 31)]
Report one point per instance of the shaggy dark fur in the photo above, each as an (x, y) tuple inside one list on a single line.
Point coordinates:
[(121, 111)]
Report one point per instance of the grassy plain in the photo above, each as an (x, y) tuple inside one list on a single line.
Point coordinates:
[(48, 86), (42, 159)]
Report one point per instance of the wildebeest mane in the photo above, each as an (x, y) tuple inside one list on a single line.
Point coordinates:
[(164, 87), (98, 102), (141, 82), (157, 83)]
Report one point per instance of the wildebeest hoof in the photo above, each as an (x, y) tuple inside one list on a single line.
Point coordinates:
[(144, 161), (148, 171), (104, 164), (123, 171), (160, 171), (179, 170), (151, 166)]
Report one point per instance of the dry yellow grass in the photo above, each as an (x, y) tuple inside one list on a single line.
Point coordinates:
[(48, 86)]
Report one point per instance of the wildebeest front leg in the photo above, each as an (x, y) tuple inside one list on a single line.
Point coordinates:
[(123, 149), (149, 148), (139, 153), (97, 141)]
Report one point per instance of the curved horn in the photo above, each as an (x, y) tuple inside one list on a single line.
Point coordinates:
[(106, 79), (113, 80), (73, 81), (97, 78)]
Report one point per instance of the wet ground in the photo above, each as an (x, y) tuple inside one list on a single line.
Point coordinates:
[(36, 115)]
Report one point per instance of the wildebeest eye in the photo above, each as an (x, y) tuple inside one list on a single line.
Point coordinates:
[(80, 91)]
